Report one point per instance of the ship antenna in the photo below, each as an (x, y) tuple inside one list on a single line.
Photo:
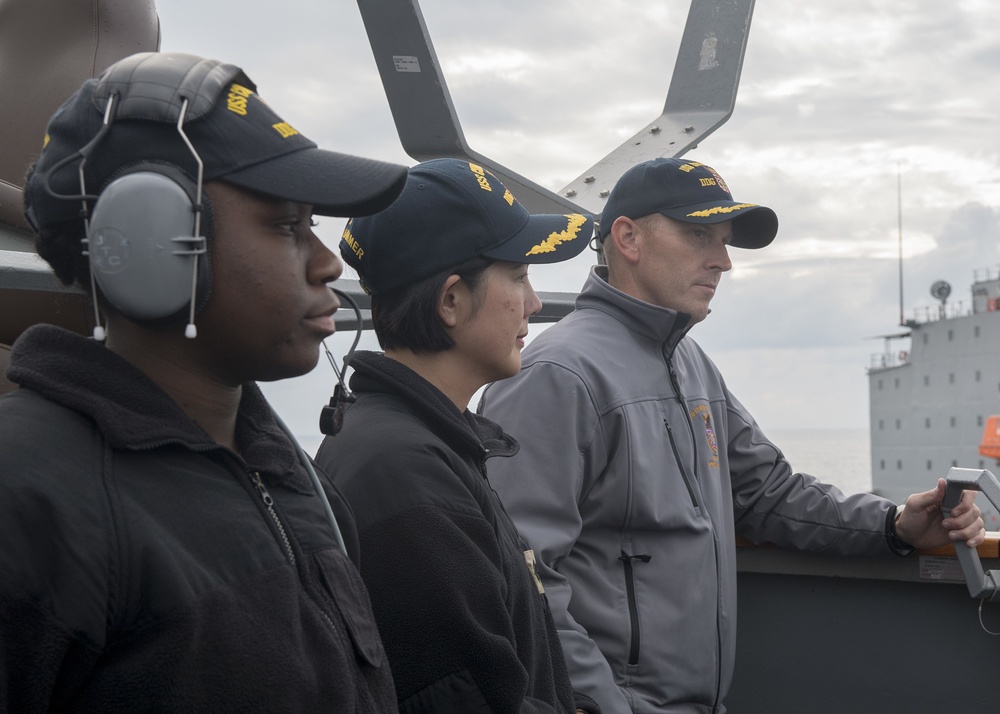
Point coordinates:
[(899, 223)]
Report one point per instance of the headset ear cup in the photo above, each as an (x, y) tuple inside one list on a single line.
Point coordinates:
[(142, 246)]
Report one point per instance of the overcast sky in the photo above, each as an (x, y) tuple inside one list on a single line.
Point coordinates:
[(835, 98)]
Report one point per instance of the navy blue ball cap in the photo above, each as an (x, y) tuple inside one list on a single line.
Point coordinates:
[(449, 212), (237, 136), (687, 191)]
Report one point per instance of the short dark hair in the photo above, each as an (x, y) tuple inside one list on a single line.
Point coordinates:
[(407, 317)]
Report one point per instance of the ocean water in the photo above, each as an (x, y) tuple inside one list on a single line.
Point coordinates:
[(841, 457)]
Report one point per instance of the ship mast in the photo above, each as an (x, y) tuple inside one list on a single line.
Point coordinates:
[(899, 223)]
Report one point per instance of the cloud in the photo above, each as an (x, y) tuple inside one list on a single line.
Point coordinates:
[(835, 101)]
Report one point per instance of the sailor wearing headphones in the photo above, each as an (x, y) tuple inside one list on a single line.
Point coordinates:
[(164, 545)]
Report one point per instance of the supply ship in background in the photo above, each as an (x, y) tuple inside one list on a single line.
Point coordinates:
[(935, 393)]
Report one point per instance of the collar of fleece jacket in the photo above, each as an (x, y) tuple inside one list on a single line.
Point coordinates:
[(131, 411), (465, 431)]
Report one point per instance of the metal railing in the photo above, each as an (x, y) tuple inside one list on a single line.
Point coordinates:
[(934, 313), (887, 360)]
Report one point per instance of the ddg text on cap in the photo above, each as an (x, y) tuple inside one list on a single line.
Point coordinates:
[(687, 191)]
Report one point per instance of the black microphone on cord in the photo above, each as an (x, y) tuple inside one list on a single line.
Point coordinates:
[(331, 418)]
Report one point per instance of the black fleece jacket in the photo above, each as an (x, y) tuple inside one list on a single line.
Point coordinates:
[(463, 620), (140, 568)]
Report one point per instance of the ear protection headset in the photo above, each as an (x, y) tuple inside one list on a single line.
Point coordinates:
[(145, 246), (144, 235)]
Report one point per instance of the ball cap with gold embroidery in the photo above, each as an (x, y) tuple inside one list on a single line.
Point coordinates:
[(451, 211), (237, 136), (687, 191)]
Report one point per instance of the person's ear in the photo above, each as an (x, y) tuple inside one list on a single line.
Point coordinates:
[(450, 300), (626, 236)]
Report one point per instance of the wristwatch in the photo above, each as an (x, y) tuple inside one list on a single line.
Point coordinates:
[(896, 545)]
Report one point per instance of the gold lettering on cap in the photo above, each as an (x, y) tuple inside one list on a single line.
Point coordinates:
[(575, 222), (285, 129), (236, 102), (480, 175), (708, 182), (353, 243), (715, 210), (508, 197), (689, 166)]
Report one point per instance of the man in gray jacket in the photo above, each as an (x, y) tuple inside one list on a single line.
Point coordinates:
[(638, 467)]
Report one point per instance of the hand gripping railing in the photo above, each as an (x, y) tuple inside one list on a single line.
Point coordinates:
[(981, 584)]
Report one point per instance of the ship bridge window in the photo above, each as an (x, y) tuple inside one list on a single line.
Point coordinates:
[(930, 465), (927, 380), (881, 465), (975, 331), (881, 424), (924, 337), (951, 335), (951, 378), (927, 422), (895, 384), (982, 464), (953, 426), (897, 423), (979, 420), (899, 464), (880, 385), (979, 375)]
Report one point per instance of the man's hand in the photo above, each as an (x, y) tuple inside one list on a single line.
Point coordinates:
[(923, 525)]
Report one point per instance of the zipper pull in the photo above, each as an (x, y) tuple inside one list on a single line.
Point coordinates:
[(269, 504), (261, 489)]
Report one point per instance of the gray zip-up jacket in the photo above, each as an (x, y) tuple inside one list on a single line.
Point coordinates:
[(637, 470)]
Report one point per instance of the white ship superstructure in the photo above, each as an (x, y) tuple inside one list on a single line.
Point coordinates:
[(932, 390)]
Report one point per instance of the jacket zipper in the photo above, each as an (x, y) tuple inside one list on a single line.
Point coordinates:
[(269, 505), (718, 605), (268, 500), (633, 608), (680, 397), (680, 466)]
